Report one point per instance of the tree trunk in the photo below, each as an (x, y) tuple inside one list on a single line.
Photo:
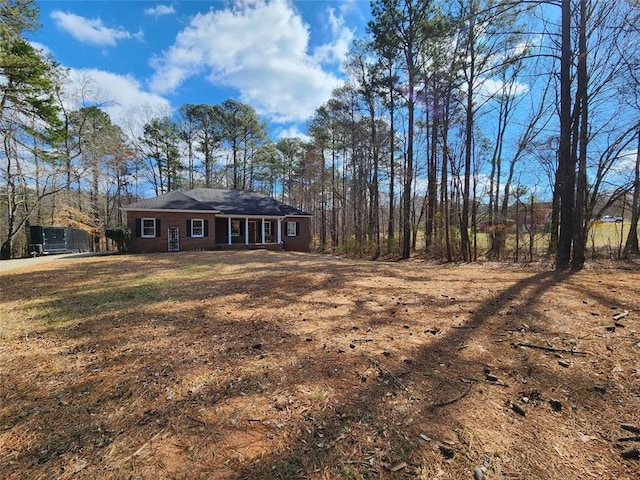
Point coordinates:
[(566, 168), (498, 215), (468, 149), (408, 179), (631, 246), (432, 174), (555, 218), (532, 226), (375, 194), (580, 228), (334, 192), (392, 154), (323, 201), (517, 254)]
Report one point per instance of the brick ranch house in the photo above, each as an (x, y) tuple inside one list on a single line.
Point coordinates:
[(209, 219)]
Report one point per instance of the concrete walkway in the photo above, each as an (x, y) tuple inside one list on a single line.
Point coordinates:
[(6, 265)]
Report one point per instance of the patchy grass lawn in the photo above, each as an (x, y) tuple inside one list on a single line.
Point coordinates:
[(259, 365)]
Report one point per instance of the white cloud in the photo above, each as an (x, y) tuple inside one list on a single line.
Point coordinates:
[(121, 96), (46, 51), (292, 132), (348, 5), (490, 87), (90, 30), (338, 49), (160, 10), (626, 163), (261, 48)]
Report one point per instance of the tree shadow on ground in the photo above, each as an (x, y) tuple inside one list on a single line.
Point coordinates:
[(223, 375), (304, 458)]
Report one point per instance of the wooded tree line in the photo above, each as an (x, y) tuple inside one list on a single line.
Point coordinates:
[(466, 111), (454, 116)]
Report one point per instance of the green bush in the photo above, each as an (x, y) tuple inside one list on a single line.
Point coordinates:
[(120, 235)]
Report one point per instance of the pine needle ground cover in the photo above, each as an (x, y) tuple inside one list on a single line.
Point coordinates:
[(258, 365)]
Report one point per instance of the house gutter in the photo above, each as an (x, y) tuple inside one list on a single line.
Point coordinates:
[(168, 210)]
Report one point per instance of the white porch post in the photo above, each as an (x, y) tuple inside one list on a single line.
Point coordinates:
[(229, 230), (246, 231), (279, 231), (262, 230)]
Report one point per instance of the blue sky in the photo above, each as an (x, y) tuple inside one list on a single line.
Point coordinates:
[(140, 59)]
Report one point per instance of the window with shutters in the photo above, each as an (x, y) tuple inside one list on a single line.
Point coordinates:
[(197, 227), (291, 229), (148, 228)]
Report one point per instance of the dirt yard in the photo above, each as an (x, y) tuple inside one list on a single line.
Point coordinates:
[(257, 365)]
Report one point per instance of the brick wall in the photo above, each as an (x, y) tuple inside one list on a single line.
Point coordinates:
[(301, 242), (169, 219)]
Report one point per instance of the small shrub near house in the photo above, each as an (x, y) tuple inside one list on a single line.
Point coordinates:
[(120, 235)]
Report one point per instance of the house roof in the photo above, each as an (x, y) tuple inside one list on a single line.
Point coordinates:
[(170, 201), (226, 202)]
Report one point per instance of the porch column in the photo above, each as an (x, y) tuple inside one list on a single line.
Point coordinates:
[(262, 229), (279, 231), (246, 231), (229, 230)]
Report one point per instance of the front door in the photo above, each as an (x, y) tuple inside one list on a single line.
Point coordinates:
[(174, 239), (254, 234)]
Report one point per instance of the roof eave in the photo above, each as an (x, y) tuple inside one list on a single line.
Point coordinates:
[(174, 210), (249, 215)]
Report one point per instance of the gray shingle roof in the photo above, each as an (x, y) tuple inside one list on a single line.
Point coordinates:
[(170, 201), (227, 202)]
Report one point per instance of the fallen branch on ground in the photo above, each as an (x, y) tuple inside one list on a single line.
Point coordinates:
[(468, 381), (386, 372), (620, 315), (551, 349)]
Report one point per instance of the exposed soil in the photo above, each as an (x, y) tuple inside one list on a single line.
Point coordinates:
[(259, 365)]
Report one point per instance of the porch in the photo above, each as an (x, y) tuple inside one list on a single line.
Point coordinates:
[(235, 232)]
